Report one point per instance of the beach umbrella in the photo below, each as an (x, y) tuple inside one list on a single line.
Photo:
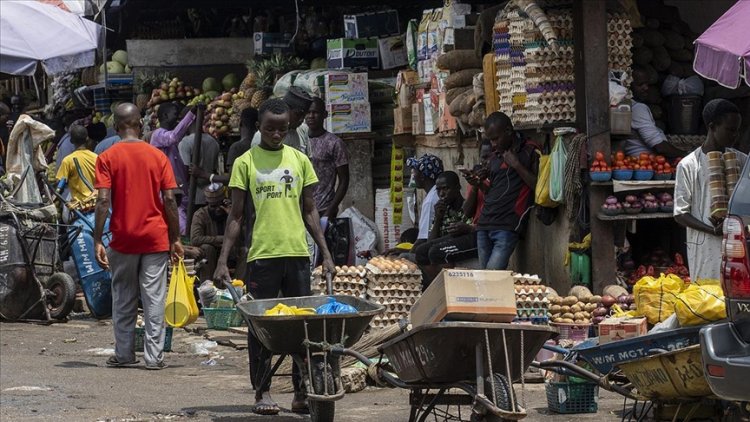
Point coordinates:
[(33, 32), (722, 53)]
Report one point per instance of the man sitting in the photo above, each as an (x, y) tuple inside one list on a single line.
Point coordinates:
[(446, 234), (207, 228)]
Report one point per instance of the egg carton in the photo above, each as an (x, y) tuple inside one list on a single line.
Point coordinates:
[(531, 320), (397, 307), (532, 313), (533, 279), (342, 280), (393, 293)]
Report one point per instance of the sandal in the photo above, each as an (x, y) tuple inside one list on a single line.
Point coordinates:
[(266, 406), (112, 362)]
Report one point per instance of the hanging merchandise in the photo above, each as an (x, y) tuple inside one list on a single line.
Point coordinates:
[(558, 159), (541, 191), (181, 308)]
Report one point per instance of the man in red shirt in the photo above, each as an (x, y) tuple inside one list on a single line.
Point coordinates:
[(137, 181)]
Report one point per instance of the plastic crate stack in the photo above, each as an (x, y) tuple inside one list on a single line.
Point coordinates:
[(350, 281), (532, 305), (394, 283)]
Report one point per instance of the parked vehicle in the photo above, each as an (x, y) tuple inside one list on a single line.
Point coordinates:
[(726, 345)]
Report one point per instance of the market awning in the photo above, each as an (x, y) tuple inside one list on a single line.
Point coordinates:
[(33, 32), (722, 53)]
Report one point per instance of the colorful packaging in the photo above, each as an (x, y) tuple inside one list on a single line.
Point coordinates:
[(349, 118), (345, 88)]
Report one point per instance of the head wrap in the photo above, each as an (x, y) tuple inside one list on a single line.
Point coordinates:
[(429, 165), (298, 99)]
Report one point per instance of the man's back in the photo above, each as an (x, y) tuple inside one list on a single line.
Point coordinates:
[(79, 189), (209, 161), (136, 173)]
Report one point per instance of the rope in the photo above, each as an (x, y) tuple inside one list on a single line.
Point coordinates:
[(573, 185)]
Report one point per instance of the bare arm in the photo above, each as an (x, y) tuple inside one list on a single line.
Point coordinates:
[(312, 224), (172, 217), (470, 205), (232, 232), (102, 209), (342, 173), (687, 220), (665, 148)]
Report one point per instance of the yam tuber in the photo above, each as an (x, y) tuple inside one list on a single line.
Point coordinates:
[(459, 59), (455, 92), (461, 78)]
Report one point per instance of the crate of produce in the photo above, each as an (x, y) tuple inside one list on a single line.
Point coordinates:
[(222, 318), (572, 397), (140, 332)]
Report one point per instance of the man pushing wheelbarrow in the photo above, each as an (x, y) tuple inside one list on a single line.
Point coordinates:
[(274, 183)]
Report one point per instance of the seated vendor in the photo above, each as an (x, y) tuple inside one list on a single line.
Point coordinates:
[(207, 228), (450, 232), (645, 135)]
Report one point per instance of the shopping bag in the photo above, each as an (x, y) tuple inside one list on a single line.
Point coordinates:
[(181, 308), (558, 160), (698, 305), (541, 192), (284, 310)]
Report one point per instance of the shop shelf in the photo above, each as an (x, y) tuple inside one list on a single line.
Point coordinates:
[(641, 216)]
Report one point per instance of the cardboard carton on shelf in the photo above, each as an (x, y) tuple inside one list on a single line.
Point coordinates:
[(366, 25), (349, 118), (402, 120), (272, 43), (417, 116), (466, 295), (406, 87), (353, 53), (615, 329), (393, 52), (447, 121), (346, 88)]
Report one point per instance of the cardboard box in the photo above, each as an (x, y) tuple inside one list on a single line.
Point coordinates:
[(381, 92), (614, 329), (366, 25), (353, 53), (393, 52), (346, 88), (402, 120), (272, 43), (406, 83), (447, 121), (466, 295), (430, 102), (349, 118), (417, 119)]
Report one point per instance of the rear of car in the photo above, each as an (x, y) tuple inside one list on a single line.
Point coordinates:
[(726, 345)]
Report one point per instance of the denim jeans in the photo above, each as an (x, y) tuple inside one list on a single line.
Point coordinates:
[(495, 247)]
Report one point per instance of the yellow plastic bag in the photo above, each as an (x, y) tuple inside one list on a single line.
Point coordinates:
[(181, 308), (655, 297), (700, 305), (281, 309), (541, 192)]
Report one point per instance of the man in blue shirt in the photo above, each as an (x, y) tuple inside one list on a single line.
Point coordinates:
[(106, 143)]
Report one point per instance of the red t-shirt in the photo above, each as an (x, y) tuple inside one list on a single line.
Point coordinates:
[(480, 201), (136, 173)]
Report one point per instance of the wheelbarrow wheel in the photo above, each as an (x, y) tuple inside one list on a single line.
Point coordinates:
[(62, 295), (321, 411), (503, 394)]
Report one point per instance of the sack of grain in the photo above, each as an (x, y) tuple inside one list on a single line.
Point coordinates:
[(458, 60), (461, 78), (453, 93)]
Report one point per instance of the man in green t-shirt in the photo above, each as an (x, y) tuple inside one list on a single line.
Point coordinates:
[(275, 182)]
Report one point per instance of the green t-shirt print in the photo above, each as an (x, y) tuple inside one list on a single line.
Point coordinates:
[(274, 181)]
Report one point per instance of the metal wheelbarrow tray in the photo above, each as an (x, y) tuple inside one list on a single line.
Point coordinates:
[(288, 334), (444, 353), (606, 356)]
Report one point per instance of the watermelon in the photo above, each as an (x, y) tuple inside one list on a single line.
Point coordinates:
[(211, 84)]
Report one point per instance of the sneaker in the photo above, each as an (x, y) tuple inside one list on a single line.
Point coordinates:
[(112, 362), (157, 366)]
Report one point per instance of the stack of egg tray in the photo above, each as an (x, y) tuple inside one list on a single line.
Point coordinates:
[(394, 283), (349, 281), (532, 303)]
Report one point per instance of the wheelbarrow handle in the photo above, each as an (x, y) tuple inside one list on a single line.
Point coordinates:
[(233, 292), (557, 349), (561, 366), (329, 283)]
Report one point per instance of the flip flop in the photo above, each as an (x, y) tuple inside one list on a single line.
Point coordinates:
[(265, 408), (112, 362)]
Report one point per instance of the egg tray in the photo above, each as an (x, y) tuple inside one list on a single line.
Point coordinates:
[(531, 321), (382, 300), (387, 294), (532, 312), (352, 293), (523, 279)]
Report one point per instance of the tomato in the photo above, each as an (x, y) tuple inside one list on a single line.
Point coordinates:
[(660, 167), (660, 159), (636, 167), (620, 163), (620, 156), (599, 156), (667, 166), (644, 156)]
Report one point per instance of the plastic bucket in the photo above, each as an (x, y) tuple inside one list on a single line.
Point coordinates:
[(684, 114)]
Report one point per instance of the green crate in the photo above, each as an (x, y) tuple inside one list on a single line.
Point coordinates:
[(222, 318), (139, 333), (569, 398)]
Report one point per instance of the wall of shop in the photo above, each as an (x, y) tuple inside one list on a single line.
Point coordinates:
[(360, 193), (700, 14)]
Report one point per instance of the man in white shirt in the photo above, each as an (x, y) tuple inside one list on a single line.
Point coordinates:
[(425, 170), (692, 194), (645, 136), (299, 104)]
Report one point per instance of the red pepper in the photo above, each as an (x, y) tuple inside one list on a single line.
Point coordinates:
[(651, 271)]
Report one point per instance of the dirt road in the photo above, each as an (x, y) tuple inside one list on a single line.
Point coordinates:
[(57, 373)]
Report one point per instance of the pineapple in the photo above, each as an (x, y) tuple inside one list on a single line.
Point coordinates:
[(258, 98), (249, 81)]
